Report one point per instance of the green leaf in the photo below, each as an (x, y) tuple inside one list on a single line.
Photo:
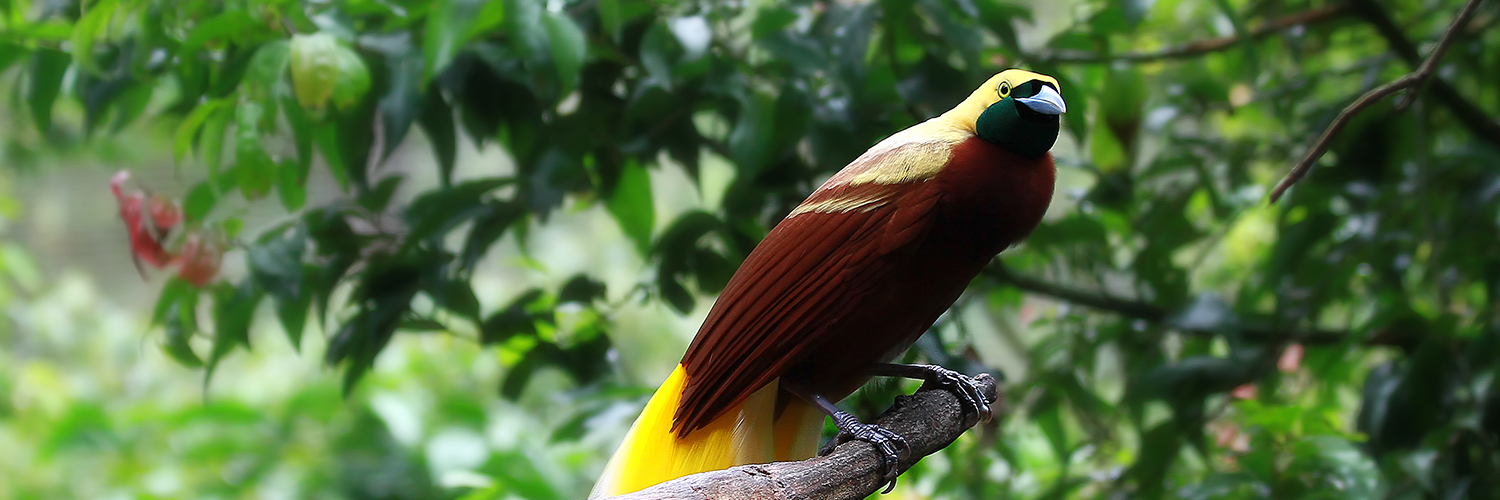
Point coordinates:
[(290, 185), (524, 19), (353, 79), (132, 103), (750, 143), (458, 296), (316, 66), (303, 136), (174, 291), (517, 376), (676, 250), (200, 200), (275, 262), (958, 27), (187, 131), (488, 227), (1159, 449), (517, 318), (659, 50), (269, 63), (633, 207), (276, 266), (713, 270), (378, 198), (254, 169), (293, 311), (436, 120), (581, 289), (401, 102), (1195, 377), (385, 296), (568, 48), (771, 19), (10, 53), (231, 25), (181, 325), (212, 139), (353, 139), (450, 24), (437, 212), (48, 67), (611, 17), (327, 140), (234, 308), (90, 28)]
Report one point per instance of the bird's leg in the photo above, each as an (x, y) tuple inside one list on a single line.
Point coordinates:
[(890, 445), (962, 385)]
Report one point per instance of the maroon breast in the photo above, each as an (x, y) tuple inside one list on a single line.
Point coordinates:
[(992, 198)]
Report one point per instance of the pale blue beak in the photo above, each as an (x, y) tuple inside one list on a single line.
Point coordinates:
[(1047, 102)]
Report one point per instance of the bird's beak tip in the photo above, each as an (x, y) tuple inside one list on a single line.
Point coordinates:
[(1047, 102)]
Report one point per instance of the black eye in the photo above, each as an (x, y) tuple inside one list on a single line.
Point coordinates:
[(1004, 90)]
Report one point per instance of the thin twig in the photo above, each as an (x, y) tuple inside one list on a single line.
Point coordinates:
[(1411, 81), (1201, 47), (1430, 65), (1470, 115)]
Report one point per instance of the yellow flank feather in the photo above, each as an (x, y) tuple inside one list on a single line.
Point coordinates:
[(652, 453)]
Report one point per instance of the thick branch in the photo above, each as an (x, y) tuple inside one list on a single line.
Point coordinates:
[(1412, 81), (929, 420), (1201, 47)]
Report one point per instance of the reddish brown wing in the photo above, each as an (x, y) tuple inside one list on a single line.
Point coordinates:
[(811, 270)]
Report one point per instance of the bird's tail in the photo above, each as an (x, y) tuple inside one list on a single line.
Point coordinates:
[(755, 432)]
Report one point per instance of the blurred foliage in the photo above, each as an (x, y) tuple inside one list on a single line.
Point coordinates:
[(1165, 333)]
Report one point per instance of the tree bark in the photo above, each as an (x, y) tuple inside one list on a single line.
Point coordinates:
[(929, 420)]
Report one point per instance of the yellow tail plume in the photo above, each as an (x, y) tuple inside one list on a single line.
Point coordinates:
[(749, 434)]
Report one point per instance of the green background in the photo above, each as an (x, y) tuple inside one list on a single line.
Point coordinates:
[(467, 238)]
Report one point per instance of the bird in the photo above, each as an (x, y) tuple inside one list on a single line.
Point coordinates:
[(845, 283)]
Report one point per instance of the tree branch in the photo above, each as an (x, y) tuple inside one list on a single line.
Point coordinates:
[(929, 420), (1201, 47), (1158, 314), (1411, 81), (1469, 114), (1125, 307)]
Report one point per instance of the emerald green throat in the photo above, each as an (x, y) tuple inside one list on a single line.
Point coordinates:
[(1022, 131)]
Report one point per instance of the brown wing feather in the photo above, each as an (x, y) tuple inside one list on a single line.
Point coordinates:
[(813, 269)]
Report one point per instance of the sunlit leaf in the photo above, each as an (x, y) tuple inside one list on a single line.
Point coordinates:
[(568, 48), (633, 206), (90, 28), (317, 66), (46, 81)]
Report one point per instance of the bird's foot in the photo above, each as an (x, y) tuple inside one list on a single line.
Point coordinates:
[(963, 386), (892, 446)]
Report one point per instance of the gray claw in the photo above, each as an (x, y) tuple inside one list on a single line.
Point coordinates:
[(891, 445)]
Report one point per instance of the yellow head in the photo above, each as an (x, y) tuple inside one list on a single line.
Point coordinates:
[(1015, 109)]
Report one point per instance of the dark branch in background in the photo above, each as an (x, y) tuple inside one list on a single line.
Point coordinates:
[(929, 420), (1201, 47), (1469, 114), (1125, 307), (1412, 82), (1158, 314)]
